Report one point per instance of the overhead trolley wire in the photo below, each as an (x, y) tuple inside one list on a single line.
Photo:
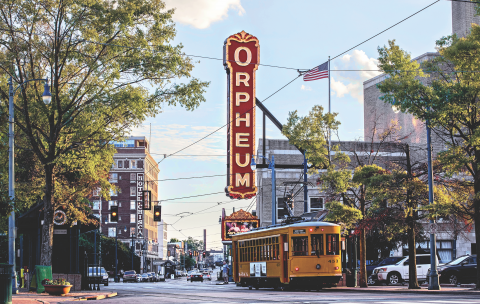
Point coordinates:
[(385, 29)]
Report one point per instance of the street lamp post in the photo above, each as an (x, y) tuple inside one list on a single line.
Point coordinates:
[(116, 244), (133, 245), (11, 168), (433, 280), (271, 165)]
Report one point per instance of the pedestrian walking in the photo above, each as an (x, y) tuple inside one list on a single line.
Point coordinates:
[(225, 272)]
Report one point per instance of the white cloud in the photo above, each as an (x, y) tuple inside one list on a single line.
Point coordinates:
[(350, 82), (202, 13), (305, 88), (168, 139)]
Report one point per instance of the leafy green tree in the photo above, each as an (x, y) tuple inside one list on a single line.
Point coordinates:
[(110, 65), (444, 92)]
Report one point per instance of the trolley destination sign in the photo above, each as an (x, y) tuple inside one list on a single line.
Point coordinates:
[(241, 59)]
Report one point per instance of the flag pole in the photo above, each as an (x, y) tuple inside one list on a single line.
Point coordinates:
[(329, 110)]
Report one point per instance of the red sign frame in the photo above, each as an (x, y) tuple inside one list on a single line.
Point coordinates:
[(241, 60)]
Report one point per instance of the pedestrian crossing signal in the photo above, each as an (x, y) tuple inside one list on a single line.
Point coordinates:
[(157, 213)]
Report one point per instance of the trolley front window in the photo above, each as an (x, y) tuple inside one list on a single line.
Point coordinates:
[(300, 246), (332, 244), (317, 244)]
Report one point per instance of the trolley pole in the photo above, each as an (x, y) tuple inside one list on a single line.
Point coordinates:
[(271, 165)]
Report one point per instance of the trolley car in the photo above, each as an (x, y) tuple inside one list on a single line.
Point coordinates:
[(300, 255)]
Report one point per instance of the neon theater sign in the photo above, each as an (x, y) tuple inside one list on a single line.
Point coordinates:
[(241, 56)]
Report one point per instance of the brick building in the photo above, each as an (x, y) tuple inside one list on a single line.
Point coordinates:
[(133, 171)]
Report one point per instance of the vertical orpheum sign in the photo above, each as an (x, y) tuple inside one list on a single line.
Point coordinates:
[(241, 56)]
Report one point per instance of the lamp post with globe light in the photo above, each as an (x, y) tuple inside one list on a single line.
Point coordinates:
[(271, 165), (46, 97)]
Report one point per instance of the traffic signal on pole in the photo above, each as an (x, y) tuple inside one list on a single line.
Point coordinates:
[(204, 254), (190, 254), (114, 214), (157, 213)]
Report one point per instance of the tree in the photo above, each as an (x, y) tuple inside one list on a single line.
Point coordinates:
[(174, 240), (445, 93), (110, 65)]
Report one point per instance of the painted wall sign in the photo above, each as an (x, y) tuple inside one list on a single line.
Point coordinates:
[(241, 56), (140, 206)]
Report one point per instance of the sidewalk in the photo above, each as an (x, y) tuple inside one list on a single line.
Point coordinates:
[(25, 297), (468, 289)]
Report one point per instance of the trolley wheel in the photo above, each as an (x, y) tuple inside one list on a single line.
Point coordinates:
[(250, 287)]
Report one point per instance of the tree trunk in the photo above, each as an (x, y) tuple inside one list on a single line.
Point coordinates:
[(47, 228), (363, 245), (412, 251)]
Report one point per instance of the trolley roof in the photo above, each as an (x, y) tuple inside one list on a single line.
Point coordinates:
[(281, 226)]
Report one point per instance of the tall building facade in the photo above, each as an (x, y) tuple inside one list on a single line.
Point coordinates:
[(133, 171)]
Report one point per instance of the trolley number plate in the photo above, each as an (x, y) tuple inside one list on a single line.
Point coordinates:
[(300, 231), (333, 261)]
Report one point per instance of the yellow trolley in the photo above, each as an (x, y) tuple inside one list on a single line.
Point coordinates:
[(303, 254)]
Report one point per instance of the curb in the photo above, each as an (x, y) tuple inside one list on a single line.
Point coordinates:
[(411, 291), (99, 297)]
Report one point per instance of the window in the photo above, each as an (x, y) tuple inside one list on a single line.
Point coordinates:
[(445, 250), (112, 231), (332, 244), (120, 164), (264, 249), (133, 177), (133, 191), (423, 260), (317, 244), (96, 192), (133, 205), (96, 205), (113, 192), (113, 177), (133, 164), (316, 204), (132, 231), (112, 203), (130, 143), (281, 209), (299, 246), (132, 218), (140, 164), (96, 215)]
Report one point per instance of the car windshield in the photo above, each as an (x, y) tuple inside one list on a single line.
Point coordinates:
[(458, 260), (401, 261), (388, 261), (100, 271), (129, 272)]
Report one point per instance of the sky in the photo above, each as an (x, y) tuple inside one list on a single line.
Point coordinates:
[(293, 34)]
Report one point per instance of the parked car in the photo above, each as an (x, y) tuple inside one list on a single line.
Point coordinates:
[(152, 276), (189, 274), (461, 270), (399, 272), (381, 262), (196, 276), (138, 278), (207, 276), (145, 278), (130, 276), (99, 272)]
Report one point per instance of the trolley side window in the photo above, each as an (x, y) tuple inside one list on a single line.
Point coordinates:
[(317, 244), (332, 244), (300, 246)]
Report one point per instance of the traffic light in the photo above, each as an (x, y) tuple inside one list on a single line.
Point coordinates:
[(190, 254), (157, 213), (114, 214), (204, 254)]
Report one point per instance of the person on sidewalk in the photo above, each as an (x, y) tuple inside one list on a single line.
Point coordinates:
[(225, 272)]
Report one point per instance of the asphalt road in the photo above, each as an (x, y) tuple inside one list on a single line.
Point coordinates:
[(182, 291)]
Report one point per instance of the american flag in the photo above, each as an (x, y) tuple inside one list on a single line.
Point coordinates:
[(316, 73)]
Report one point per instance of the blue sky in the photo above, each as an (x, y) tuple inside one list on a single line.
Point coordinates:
[(295, 34)]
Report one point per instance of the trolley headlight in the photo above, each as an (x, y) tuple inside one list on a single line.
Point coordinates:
[(318, 266)]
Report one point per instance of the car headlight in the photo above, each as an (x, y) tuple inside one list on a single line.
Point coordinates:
[(381, 270)]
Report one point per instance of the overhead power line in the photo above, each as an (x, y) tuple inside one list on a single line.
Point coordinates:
[(386, 29)]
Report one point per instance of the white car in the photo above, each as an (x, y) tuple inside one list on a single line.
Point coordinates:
[(398, 273)]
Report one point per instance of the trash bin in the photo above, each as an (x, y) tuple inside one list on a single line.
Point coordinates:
[(351, 278), (6, 274)]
